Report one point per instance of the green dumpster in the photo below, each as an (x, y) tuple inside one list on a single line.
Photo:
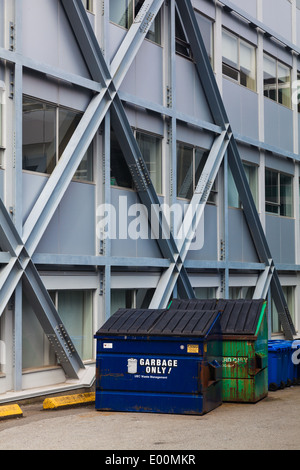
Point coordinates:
[(244, 345)]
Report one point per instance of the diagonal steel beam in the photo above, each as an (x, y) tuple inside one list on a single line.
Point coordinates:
[(220, 117), (191, 221), (60, 179), (34, 227), (20, 267), (51, 323)]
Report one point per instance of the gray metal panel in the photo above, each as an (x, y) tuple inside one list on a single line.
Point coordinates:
[(46, 20), (279, 52), (190, 98), (241, 247), (281, 164), (210, 246), (208, 8), (278, 18), (189, 135), (287, 237), (242, 108), (129, 247), (139, 118), (239, 27), (248, 6), (1, 184), (280, 233), (278, 125), (249, 154), (145, 76), (32, 187), (72, 229)]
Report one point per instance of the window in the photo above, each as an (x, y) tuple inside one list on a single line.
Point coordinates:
[(2, 89), (182, 46), (151, 149), (241, 292), (251, 175), (277, 81), (130, 298), (206, 29), (88, 5), (76, 311), (119, 172), (289, 293), (279, 193), (205, 292), (190, 163), (47, 129), (238, 60), (124, 12)]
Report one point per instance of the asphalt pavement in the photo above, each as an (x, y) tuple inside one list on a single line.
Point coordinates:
[(271, 424)]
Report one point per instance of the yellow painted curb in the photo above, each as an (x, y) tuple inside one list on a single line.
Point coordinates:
[(68, 400), (10, 411)]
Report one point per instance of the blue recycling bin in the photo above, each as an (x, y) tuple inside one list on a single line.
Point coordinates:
[(159, 361), (275, 366)]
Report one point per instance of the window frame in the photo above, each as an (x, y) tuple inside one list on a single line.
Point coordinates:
[(88, 5), (193, 148), (130, 16), (256, 195), (276, 85), (57, 108), (278, 204), (237, 68)]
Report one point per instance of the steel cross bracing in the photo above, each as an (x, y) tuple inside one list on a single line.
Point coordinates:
[(215, 102), (20, 263)]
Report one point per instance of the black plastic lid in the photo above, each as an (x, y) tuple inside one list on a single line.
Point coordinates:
[(239, 317), (160, 323)]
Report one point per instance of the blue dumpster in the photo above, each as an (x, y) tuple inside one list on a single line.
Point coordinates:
[(159, 361)]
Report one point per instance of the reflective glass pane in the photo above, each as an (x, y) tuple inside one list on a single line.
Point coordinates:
[(247, 65), (121, 12), (233, 195), (270, 78), (39, 136), (284, 85), (68, 121), (119, 174), (150, 147), (272, 191), (286, 196), (184, 171), (75, 310), (230, 49)]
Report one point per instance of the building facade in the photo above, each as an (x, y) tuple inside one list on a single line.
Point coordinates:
[(112, 114)]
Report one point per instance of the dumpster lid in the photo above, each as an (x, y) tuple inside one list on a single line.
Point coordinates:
[(160, 322), (239, 317), (193, 304)]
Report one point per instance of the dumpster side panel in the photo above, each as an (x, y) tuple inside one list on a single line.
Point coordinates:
[(249, 390)]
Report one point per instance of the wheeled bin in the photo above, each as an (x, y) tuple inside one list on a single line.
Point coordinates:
[(159, 361), (275, 366), (283, 371), (244, 346)]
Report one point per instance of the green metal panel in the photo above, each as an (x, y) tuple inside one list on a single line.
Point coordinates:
[(245, 364)]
